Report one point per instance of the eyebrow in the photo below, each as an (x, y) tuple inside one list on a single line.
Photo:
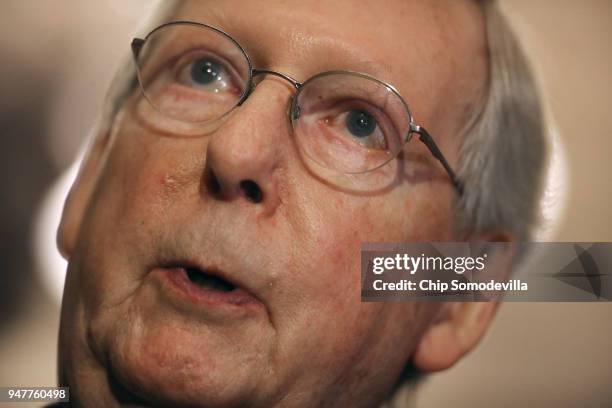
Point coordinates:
[(377, 69)]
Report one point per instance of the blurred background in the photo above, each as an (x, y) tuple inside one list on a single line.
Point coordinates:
[(57, 59)]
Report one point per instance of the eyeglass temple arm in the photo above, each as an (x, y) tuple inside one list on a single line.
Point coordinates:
[(426, 138)]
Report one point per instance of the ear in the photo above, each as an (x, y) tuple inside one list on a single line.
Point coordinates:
[(79, 196), (459, 329), (460, 326)]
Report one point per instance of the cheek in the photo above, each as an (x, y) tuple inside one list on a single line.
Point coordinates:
[(347, 222), (148, 174), (331, 248)]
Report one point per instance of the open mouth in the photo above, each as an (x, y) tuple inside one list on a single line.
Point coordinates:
[(208, 281), (207, 286)]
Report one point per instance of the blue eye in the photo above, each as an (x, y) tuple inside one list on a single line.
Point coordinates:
[(205, 71), (360, 123)]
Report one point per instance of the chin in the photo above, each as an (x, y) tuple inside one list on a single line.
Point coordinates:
[(149, 350)]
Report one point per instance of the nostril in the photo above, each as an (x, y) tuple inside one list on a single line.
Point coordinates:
[(251, 190)]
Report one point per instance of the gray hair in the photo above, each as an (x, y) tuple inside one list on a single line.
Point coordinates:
[(502, 156)]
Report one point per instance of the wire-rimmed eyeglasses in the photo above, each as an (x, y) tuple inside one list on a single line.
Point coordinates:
[(193, 74)]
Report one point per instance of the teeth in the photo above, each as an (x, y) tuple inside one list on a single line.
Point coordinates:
[(207, 281)]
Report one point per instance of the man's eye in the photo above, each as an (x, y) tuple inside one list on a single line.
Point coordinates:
[(205, 71), (208, 74), (360, 123), (361, 126)]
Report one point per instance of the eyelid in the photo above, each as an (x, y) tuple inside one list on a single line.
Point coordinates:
[(352, 103)]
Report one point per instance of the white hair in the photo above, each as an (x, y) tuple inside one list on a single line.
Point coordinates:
[(503, 154)]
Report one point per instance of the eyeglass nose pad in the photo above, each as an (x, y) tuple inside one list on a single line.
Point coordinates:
[(295, 111), (246, 94), (294, 108)]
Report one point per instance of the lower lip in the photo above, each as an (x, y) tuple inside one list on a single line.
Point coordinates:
[(184, 287)]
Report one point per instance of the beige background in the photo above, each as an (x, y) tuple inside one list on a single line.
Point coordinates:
[(542, 355)]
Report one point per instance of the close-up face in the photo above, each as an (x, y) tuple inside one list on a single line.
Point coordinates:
[(221, 267)]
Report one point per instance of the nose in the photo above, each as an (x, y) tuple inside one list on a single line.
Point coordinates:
[(246, 155)]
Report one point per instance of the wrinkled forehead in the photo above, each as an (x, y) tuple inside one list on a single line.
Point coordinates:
[(426, 48)]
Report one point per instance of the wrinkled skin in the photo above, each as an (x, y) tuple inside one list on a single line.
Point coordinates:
[(142, 201)]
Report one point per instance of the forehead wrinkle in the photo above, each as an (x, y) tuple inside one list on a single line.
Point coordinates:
[(314, 53)]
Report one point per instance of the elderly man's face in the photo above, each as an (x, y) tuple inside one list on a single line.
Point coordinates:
[(282, 322)]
